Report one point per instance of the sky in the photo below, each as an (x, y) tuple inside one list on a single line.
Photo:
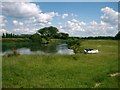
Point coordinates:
[(79, 19)]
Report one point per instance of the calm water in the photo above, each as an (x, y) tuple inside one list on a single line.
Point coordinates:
[(31, 48)]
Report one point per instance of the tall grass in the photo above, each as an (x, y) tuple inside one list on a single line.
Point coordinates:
[(64, 71)]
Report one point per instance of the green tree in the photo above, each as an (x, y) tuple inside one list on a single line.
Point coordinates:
[(117, 35), (11, 35), (36, 38), (7, 35), (48, 31), (63, 35), (3, 36)]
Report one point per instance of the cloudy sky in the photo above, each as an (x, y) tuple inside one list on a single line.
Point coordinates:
[(76, 18)]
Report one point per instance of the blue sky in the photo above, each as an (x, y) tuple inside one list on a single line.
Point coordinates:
[(76, 18), (86, 11)]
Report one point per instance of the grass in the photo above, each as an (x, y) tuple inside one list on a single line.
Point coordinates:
[(64, 71), (13, 39)]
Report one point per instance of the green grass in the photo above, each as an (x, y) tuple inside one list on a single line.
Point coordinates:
[(14, 39), (64, 71)]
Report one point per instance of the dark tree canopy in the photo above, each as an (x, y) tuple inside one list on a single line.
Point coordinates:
[(36, 37), (11, 35), (63, 35), (117, 35), (3, 35), (48, 31)]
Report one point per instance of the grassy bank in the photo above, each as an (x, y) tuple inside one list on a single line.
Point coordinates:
[(13, 39), (64, 71)]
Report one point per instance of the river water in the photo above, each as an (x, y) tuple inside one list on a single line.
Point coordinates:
[(54, 48)]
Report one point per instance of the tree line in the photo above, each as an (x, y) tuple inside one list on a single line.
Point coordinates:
[(11, 35), (99, 37), (53, 32), (116, 37)]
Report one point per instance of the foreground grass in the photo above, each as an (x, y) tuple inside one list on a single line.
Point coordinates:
[(64, 71)]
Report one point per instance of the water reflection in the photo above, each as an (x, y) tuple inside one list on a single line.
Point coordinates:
[(28, 51), (54, 48), (62, 49), (65, 51)]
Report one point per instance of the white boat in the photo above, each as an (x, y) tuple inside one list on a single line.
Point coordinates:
[(91, 51)]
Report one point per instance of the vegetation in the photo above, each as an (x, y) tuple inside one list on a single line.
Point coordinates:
[(60, 71), (11, 35), (62, 35), (74, 43), (52, 32), (64, 71), (99, 37), (45, 36), (36, 38), (48, 32), (117, 35)]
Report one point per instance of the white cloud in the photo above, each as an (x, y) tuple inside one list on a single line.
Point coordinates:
[(21, 23), (110, 16), (16, 0), (93, 28), (27, 10), (32, 14), (26, 26), (72, 27), (108, 26), (16, 23), (93, 23), (75, 25), (42, 25), (2, 31), (42, 19), (97, 29), (46, 17), (20, 9), (64, 16), (2, 21), (25, 30), (30, 21)]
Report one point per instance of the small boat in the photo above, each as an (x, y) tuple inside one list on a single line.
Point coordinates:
[(91, 50)]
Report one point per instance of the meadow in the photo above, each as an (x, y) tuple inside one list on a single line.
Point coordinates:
[(64, 71)]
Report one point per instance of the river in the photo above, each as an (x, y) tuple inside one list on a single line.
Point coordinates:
[(30, 48)]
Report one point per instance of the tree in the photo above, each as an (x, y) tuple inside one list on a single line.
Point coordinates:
[(117, 35), (11, 35), (36, 38), (3, 36), (48, 31), (7, 36), (63, 35)]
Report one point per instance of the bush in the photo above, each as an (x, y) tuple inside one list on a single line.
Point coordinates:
[(74, 44), (36, 38), (45, 41)]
